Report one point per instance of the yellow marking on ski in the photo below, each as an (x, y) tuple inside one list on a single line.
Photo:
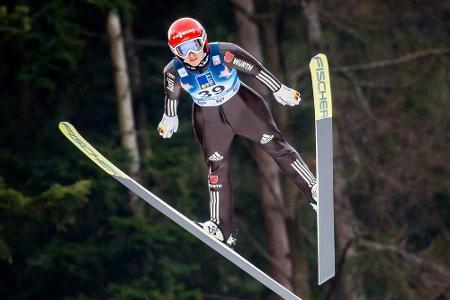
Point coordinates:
[(321, 86), (72, 134)]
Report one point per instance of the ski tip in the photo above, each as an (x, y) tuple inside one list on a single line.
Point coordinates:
[(320, 77), (320, 56), (318, 61), (64, 124), (84, 146)]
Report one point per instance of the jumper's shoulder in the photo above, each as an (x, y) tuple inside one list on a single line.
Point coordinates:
[(225, 46), (169, 68)]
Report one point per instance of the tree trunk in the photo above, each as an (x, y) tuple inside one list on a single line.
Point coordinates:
[(123, 95), (313, 25), (349, 284), (137, 93), (272, 205), (290, 192)]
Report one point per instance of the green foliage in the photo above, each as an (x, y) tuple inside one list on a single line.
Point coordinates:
[(66, 231), (145, 289), (11, 201), (63, 202), (56, 46), (15, 21), (70, 246)]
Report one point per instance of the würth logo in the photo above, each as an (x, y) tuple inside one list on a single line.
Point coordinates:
[(243, 64), (170, 84)]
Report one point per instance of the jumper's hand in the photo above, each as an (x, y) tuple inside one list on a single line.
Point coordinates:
[(168, 126), (287, 96)]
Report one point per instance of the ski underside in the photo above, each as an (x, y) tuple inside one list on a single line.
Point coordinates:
[(72, 134), (320, 77)]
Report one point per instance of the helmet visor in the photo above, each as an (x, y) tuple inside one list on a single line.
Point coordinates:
[(195, 45)]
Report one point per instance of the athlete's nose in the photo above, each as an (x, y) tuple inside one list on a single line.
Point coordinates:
[(192, 56)]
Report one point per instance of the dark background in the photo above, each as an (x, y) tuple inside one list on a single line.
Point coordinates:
[(66, 229)]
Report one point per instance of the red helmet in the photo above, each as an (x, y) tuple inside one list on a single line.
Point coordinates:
[(187, 35)]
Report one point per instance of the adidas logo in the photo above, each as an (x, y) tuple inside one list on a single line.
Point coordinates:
[(266, 138), (215, 157)]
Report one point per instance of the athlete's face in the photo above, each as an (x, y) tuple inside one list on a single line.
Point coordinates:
[(194, 59)]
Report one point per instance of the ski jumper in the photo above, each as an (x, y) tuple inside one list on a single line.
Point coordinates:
[(224, 107)]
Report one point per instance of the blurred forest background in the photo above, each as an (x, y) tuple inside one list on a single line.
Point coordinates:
[(69, 231)]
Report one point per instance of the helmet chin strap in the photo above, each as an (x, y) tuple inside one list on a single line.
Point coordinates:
[(204, 54)]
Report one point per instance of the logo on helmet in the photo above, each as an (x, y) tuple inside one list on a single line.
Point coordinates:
[(181, 34)]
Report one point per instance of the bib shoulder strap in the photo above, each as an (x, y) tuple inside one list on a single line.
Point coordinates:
[(177, 64), (213, 49)]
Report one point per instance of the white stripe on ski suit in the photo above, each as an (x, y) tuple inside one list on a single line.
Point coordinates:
[(169, 110), (171, 107), (306, 169), (214, 206), (277, 85), (304, 172), (266, 82)]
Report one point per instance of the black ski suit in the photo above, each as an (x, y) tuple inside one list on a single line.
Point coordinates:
[(245, 114)]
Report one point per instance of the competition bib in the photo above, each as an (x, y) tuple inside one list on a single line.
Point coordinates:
[(216, 85)]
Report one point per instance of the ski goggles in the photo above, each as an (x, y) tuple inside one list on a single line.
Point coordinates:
[(194, 46)]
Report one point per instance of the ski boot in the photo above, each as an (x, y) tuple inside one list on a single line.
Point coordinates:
[(315, 196), (213, 230)]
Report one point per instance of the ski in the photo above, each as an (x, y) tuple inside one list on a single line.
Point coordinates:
[(72, 134), (324, 166)]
